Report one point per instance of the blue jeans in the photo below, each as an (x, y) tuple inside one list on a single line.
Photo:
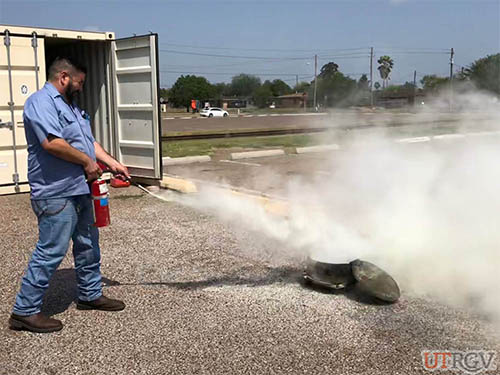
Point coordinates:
[(59, 220)]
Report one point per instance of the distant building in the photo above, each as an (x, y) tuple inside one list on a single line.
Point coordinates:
[(398, 99), (233, 103), (297, 100)]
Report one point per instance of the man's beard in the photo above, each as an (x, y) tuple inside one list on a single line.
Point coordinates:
[(70, 92)]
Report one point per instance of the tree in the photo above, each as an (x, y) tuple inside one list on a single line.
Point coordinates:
[(335, 88), (244, 85), (485, 73), (279, 87), (385, 67), (263, 94), (363, 83), (302, 87), (190, 87), (164, 93), (328, 70), (433, 83), (221, 90)]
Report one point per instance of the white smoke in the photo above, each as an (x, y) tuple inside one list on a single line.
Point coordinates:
[(429, 214)]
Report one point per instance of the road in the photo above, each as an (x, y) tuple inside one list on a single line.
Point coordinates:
[(332, 120), (245, 122)]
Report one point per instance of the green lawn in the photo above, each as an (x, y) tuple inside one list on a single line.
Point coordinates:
[(209, 146)]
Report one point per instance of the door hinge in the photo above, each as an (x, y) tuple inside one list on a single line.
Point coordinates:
[(6, 38)]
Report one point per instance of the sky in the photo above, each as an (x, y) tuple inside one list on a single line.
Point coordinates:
[(279, 39)]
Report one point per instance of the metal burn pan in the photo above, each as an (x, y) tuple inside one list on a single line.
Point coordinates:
[(366, 277)]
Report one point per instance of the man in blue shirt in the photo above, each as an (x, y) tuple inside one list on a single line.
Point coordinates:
[(62, 156)]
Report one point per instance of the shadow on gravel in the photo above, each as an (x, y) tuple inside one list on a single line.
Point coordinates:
[(287, 275), (351, 292), (62, 291)]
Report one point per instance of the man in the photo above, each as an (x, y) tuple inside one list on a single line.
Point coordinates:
[(62, 160)]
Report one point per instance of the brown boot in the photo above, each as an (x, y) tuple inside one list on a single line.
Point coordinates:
[(35, 323), (102, 303)]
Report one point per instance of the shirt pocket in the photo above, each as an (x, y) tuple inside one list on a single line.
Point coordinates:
[(71, 131)]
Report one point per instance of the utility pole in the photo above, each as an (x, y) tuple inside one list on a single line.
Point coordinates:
[(414, 88), (452, 53), (371, 77), (315, 79), (296, 80)]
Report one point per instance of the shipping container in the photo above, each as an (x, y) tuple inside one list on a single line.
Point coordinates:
[(120, 94)]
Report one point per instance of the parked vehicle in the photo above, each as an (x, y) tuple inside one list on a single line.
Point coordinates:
[(213, 112)]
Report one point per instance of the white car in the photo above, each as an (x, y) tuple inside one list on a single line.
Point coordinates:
[(213, 112)]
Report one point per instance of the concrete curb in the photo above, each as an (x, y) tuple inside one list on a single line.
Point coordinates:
[(273, 205), (186, 160), (256, 154), (178, 184), (319, 148)]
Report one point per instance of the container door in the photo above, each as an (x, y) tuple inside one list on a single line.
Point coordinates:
[(22, 72), (136, 111)]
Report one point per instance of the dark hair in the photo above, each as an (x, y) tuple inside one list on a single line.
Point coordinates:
[(65, 63)]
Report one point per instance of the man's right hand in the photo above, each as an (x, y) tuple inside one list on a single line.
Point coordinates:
[(61, 149), (92, 170)]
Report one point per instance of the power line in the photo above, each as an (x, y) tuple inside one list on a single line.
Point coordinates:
[(269, 58), (300, 78), (264, 49), (342, 57), (253, 62), (388, 48), (412, 53), (229, 73), (235, 57)]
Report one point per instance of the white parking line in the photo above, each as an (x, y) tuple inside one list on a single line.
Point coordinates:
[(262, 115), (241, 162), (324, 173), (169, 118), (185, 118), (248, 116), (413, 140), (449, 136), (480, 134)]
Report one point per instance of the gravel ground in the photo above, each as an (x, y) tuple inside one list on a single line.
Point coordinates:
[(203, 298)]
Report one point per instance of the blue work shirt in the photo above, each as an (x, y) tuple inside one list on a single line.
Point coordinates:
[(47, 112)]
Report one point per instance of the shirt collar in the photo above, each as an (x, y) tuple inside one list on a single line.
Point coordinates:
[(51, 89)]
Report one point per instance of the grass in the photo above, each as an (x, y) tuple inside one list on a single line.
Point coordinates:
[(176, 149), (211, 146)]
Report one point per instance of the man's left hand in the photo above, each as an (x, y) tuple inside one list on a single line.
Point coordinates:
[(118, 168)]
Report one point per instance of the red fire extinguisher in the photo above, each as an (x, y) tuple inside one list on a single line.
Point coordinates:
[(100, 196)]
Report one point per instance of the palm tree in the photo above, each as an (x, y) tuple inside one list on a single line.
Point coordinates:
[(386, 64)]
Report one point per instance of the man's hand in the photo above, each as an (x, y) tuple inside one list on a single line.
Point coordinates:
[(113, 164), (118, 168), (92, 170), (61, 149)]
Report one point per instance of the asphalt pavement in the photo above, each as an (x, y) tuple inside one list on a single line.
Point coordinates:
[(330, 120)]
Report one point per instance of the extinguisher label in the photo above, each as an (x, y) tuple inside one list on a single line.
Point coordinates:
[(104, 202), (103, 188)]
